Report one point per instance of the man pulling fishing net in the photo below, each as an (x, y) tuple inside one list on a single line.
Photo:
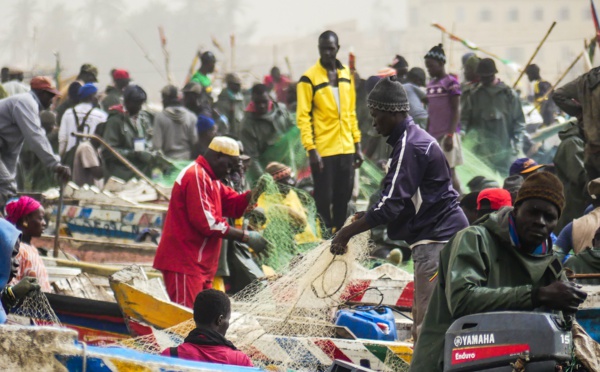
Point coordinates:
[(418, 202), (196, 222)]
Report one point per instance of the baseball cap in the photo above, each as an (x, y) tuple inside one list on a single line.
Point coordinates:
[(120, 74), (90, 69), (524, 166), (497, 197), (43, 83)]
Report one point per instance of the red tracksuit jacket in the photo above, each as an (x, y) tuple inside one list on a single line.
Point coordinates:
[(196, 221)]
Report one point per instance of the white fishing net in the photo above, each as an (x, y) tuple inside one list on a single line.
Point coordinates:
[(285, 323), (35, 308)]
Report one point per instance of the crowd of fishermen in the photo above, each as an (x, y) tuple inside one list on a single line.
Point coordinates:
[(486, 248)]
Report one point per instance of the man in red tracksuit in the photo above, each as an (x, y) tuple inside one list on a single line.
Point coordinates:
[(196, 223), (207, 342)]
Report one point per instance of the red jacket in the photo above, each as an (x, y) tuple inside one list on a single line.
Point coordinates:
[(212, 354), (195, 222)]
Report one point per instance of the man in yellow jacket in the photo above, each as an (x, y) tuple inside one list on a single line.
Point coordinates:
[(326, 118)]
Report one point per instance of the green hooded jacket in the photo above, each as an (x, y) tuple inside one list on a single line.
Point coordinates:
[(261, 133), (493, 120), (571, 172), (480, 271), (586, 262), (232, 106), (120, 133)]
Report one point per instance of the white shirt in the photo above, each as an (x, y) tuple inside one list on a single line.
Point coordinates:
[(15, 87), (68, 125), (336, 96)]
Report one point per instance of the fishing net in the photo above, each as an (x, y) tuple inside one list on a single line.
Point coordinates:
[(475, 165), (35, 306), (285, 322), (288, 219)]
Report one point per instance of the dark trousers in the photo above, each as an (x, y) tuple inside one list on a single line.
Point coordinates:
[(333, 188)]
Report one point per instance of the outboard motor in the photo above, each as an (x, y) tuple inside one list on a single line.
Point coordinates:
[(494, 341)]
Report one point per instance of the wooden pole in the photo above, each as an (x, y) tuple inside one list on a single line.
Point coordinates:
[(584, 276), (467, 43), (289, 67), (545, 97), (192, 68), (534, 53), (146, 55), (232, 46), (163, 44), (61, 199), (451, 50), (125, 162)]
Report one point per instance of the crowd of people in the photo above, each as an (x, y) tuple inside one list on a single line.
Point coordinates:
[(491, 247)]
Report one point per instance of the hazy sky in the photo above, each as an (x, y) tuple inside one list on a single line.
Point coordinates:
[(286, 18)]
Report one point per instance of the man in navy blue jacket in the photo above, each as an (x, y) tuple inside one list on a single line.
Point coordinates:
[(418, 203)]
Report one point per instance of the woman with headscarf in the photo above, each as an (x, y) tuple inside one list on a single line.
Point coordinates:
[(9, 248), (27, 214)]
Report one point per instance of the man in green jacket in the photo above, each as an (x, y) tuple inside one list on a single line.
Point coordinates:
[(265, 123), (231, 104), (581, 99), (493, 118), (587, 261), (570, 169), (126, 131), (207, 67), (505, 262)]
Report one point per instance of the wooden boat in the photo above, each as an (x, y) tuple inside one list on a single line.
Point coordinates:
[(141, 307), (96, 322), (54, 349)]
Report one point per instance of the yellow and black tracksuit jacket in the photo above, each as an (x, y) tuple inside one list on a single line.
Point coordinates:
[(321, 125)]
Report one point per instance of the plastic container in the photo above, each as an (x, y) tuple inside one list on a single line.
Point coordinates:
[(369, 323)]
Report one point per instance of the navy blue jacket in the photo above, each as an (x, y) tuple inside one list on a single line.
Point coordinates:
[(418, 201)]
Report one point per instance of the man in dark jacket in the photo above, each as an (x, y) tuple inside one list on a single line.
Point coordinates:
[(175, 127), (570, 169), (265, 122), (505, 262), (207, 342), (231, 104), (493, 118), (126, 133), (580, 98), (418, 203)]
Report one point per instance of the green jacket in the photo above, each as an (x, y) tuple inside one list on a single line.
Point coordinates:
[(120, 133), (232, 106), (113, 97), (493, 120), (262, 133), (571, 171), (582, 96), (586, 262), (480, 271)]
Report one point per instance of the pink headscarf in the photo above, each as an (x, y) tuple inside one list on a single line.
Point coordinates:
[(18, 208)]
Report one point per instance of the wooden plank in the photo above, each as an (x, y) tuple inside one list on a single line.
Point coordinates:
[(95, 269), (81, 286)]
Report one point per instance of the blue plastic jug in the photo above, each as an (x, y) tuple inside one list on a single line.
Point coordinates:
[(368, 322)]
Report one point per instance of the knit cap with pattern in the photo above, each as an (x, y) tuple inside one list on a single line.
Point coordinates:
[(388, 95), (544, 186), (437, 53)]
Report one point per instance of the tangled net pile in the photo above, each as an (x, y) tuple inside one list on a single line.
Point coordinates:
[(300, 303), (287, 316)]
